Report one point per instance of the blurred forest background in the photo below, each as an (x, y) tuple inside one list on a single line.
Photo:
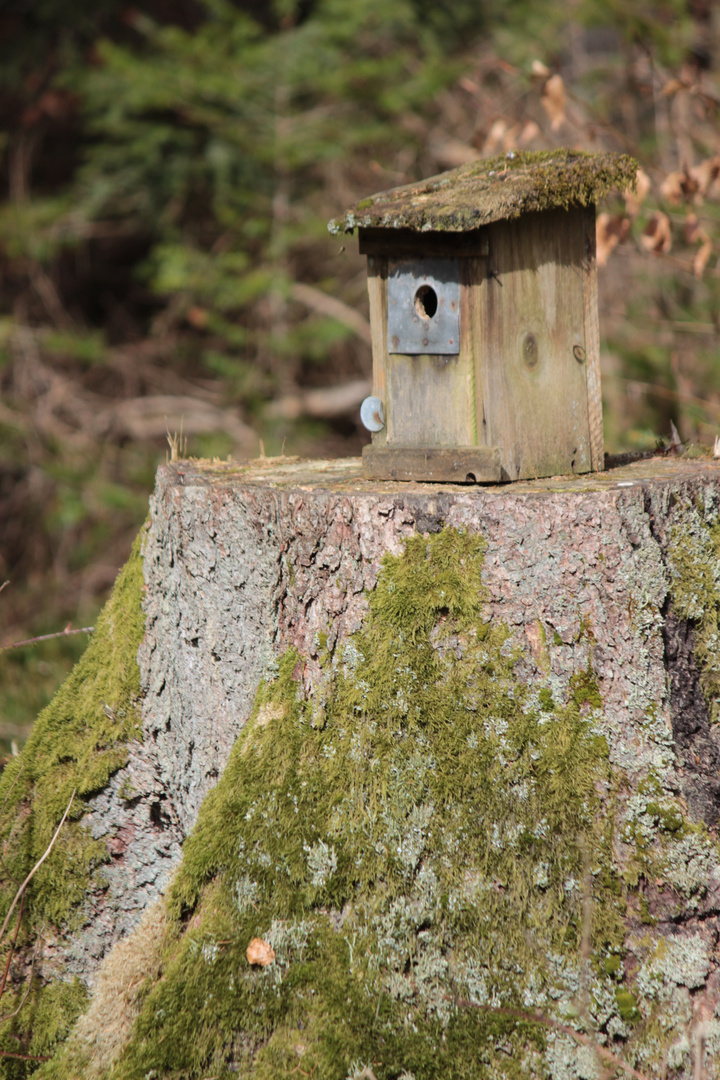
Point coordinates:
[(167, 169)]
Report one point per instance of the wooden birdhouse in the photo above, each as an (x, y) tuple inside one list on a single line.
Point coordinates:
[(484, 319)]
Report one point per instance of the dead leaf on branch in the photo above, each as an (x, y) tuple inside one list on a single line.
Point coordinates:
[(691, 185), (695, 234), (635, 199), (657, 236), (554, 100), (610, 230), (705, 174)]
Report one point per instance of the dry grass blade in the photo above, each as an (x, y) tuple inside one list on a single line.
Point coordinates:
[(36, 867), (12, 948)]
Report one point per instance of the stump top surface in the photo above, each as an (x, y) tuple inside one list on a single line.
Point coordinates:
[(345, 476)]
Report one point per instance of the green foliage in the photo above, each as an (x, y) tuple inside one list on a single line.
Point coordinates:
[(77, 742), (428, 839), (196, 139)]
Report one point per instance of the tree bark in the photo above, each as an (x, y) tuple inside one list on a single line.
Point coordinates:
[(589, 575)]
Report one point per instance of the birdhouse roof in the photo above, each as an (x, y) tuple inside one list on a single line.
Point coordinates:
[(493, 189)]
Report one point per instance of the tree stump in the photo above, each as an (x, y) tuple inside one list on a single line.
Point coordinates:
[(465, 771)]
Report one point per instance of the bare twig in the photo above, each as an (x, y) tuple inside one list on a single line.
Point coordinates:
[(9, 1016), (323, 402), (23, 1057), (333, 308), (556, 1025), (67, 632), (36, 867), (12, 948)]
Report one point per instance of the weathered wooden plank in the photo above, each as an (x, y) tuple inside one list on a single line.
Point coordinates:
[(377, 293), (460, 464), (592, 341), (431, 400), (529, 319)]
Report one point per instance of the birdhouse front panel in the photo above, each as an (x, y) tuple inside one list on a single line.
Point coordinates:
[(483, 313), (425, 366)]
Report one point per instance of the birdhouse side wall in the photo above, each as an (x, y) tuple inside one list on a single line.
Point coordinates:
[(535, 327)]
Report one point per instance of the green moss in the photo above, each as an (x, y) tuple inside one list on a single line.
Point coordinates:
[(584, 690), (493, 189), (42, 1023), (694, 564), (546, 699), (612, 965), (427, 848), (77, 742), (668, 818), (627, 1005)]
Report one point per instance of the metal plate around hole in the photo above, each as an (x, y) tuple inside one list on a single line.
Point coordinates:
[(408, 331)]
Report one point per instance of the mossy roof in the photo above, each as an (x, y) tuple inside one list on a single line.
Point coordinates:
[(492, 190)]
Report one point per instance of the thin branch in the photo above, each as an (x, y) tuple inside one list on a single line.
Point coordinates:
[(67, 632), (556, 1025), (12, 948), (36, 867), (4, 584), (332, 308), (23, 1057), (9, 1016)]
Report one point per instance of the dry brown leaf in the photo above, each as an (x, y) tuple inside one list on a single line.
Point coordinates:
[(197, 317), (539, 70), (705, 174), (610, 230), (695, 234), (554, 100), (701, 258), (671, 87), (260, 952), (495, 136), (635, 199), (692, 230), (529, 132), (656, 236), (673, 187)]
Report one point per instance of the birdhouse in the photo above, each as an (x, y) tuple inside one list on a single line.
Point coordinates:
[(484, 319)]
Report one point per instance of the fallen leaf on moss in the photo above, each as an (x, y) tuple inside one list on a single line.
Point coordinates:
[(260, 952)]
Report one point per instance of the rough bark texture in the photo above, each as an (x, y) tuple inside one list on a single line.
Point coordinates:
[(241, 563)]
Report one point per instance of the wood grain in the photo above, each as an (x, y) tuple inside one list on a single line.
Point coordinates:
[(592, 342), (460, 464), (377, 293), (529, 320)]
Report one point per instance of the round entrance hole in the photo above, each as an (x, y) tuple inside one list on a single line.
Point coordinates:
[(426, 301)]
